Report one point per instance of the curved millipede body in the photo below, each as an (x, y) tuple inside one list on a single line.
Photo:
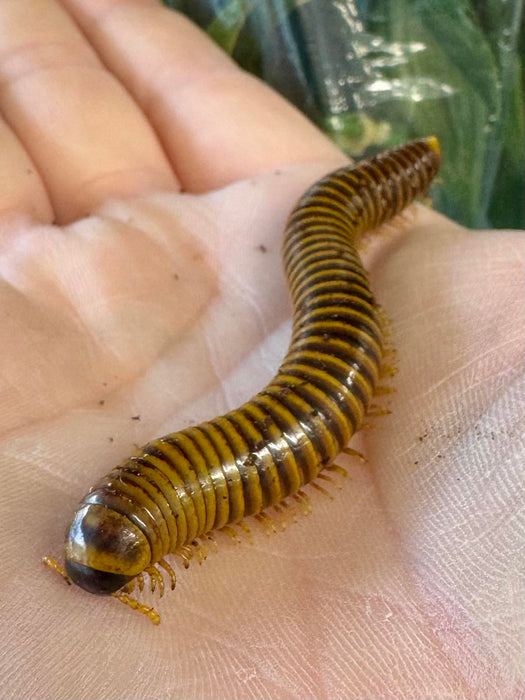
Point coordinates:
[(182, 486)]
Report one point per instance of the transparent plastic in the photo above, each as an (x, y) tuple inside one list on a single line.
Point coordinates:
[(377, 73)]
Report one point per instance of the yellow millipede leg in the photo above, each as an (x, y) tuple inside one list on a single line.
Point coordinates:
[(201, 553), (322, 490), (52, 563), (326, 477), (303, 500), (151, 613), (211, 541), (374, 410), (267, 523), (280, 516), (382, 390), (229, 530), (171, 573), (183, 554), (354, 453), (337, 468), (246, 529), (387, 371), (289, 508), (155, 577)]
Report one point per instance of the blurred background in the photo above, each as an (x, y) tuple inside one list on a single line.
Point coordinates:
[(377, 73)]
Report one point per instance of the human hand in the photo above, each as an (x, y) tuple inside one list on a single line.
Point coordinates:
[(173, 307)]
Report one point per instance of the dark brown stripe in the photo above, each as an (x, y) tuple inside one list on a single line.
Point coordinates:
[(298, 430), (277, 447)]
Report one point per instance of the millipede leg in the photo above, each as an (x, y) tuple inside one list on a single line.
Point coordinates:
[(151, 613), (384, 318), (152, 578), (383, 390), (303, 500), (170, 571), (354, 453), (337, 468), (52, 563), (185, 560), (161, 583), (186, 553), (155, 577), (266, 522), (229, 530), (246, 529), (375, 410), (188, 550), (242, 525), (140, 581), (282, 517), (387, 371), (211, 541), (291, 510), (200, 551), (322, 490), (326, 477), (389, 351)]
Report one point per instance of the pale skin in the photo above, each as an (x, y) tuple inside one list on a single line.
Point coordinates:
[(122, 298)]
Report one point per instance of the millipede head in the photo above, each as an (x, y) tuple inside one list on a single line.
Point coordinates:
[(104, 550)]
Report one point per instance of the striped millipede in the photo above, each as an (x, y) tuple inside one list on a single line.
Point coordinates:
[(184, 485)]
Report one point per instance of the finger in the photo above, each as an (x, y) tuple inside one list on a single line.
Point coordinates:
[(217, 123), (84, 133), (21, 187)]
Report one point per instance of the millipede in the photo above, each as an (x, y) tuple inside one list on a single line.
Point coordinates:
[(177, 489)]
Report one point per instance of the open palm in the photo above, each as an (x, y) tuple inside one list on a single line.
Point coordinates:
[(145, 183)]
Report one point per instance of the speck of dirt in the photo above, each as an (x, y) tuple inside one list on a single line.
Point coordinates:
[(110, 439), (262, 248), (101, 402), (137, 417)]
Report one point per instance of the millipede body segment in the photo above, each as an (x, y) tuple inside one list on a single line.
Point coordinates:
[(186, 484)]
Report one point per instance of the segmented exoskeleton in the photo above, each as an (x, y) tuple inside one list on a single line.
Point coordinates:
[(182, 486)]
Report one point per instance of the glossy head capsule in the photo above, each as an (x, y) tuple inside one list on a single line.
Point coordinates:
[(104, 550)]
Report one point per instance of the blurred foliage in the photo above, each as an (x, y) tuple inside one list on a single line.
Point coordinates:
[(377, 73)]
